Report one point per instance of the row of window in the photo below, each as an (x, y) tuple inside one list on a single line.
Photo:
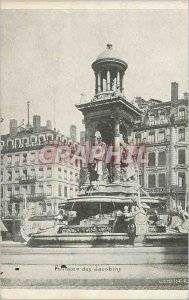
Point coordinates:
[(63, 191), (64, 175), (34, 158), (26, 174), (19, 158), (152, 180), (162, 137), (162, 119), (17, 209), (26, 190), (40, 209), (151, 138), (152, 159), (32, 173), (162, 158), (28, 141)]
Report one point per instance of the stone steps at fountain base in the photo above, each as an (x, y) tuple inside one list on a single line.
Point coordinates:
[(107, 240), (127, 255)]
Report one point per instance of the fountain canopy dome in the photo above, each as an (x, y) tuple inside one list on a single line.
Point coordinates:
[(111, 55)]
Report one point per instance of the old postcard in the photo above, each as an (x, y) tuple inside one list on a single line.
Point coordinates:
[(94, 143)]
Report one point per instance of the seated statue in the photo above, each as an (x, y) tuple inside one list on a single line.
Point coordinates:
[(178, 220)]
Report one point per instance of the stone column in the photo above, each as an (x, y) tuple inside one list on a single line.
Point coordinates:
[(99, 82), (172, 165), (13, 209), (116, 163), (96, 83), (108, 81), (87, 151), (118, 80), (121, 83), (173, 156), (5, 208)]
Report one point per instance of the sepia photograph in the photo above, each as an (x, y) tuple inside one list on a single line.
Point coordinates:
[(94, 150)]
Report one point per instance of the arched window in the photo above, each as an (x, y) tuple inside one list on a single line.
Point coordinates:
[(162, 118), (138, 138), (181, 134), (60, 190), (17, 143), (162, 136), (151, 119), (41, 139), (25, 157), (181, 179), (152, 137), (181, 156), (182, 113), (25, 141), (33, 139), (49, 138), (161, 158), (9, 159), (9, 144), (10, 208), (162, 180), (151, 180), (151, 159), (71, 192)]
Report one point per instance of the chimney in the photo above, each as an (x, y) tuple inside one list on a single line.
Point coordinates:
[(174, 92), (36, 123), (49, 124), (82, 137), (185, 96), (13, 127), (73, 133)]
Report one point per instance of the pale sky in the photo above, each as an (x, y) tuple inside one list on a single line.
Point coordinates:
[(52, 50)]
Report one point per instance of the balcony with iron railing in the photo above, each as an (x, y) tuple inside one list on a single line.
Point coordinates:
[(158, 190), (147, 125), (29, 197), (27, 179), (16, 198), (178, 189), (148, 143), (181, 119), (36, 197), (10, 215)]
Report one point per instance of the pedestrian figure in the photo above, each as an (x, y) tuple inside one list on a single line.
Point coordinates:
[(130, 225), (119, 222), (62, 216), (124, 223)]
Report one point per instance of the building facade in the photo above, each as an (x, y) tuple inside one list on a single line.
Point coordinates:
[(163, 128), (31, 172), (35, 168)]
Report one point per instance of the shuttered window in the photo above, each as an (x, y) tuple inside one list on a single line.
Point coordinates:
[(151, 180)]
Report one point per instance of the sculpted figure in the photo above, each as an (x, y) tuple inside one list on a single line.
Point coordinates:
[(100, 155), (128, 161), (178, 220)]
